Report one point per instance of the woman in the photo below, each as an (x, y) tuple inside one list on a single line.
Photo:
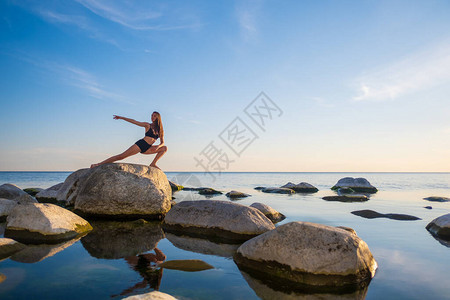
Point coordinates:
[(153, 131)]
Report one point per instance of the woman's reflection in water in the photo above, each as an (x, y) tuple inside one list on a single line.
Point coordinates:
[(147, 266)]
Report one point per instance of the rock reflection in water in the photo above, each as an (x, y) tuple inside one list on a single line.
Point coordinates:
[(267, 289), (114, 240), (202, 246), (36, 253), (147, 266)]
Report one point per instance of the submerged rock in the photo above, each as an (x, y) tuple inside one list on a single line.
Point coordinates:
[(258, 188), (8, 247), (44, 223), (10, 191), (437, 199), (49, 195), (356, 184), (302, 187), (440, 227), (236, 195), (371, 214), (428, 207), (6, 206), (186, 265), (224, 220), (202, 246), (36, 253), (269, 212), (124, 191), (155, 295), (32, 191), (114, 240), (347, 198), (309, 254), (208, 191), (275, 190)]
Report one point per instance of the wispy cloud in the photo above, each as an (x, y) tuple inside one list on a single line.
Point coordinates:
[(247, 13), (418, 71)]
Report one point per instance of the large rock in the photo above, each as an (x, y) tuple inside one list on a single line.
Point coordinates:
[(6, 206), (269, 212), (114, 240), (8, 247), (202, 246), (68, 191), (25, 199), (302, 187), (356, 184), (440, 227), (10, 191), (124, 191), (236, 195), (155, 295), (44, 223), (49, 195), (309, 254), (223, 220)]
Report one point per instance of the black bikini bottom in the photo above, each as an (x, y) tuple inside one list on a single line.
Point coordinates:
[(143, 145)]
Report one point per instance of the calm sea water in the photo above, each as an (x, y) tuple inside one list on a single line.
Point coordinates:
[(412, 264)]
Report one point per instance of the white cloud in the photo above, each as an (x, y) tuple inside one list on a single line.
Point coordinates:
[(247, 13), (415, 72)]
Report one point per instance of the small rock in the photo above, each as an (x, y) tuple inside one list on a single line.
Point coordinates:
[(275, 190), (10, 191), (302, 187), (356, 184), (155, 295), (347, 198), (208, 191), (236, 195), (258, 188), (175, 187), (428, 207), (8, 247), (223, 220), (187, 265), (440, 227), (49, 195), (44, 223), (370, 214), (269, 212), (32, 191), (437, 199)]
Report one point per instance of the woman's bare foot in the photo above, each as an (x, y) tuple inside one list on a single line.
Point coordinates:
[(94, 165), (155, 166)]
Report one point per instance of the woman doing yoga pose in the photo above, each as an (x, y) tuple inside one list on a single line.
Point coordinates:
[(153, 131)]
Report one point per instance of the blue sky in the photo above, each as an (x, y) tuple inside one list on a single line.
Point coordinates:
[(362, 85)]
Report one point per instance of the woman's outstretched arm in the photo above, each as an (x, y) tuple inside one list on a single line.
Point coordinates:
[(142, 124)]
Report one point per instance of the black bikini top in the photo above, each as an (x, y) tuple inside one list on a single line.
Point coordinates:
[(152, 133)]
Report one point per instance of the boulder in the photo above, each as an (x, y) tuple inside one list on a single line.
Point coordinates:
[(269, 212), (370, 214), (25, 199), (347, 198), (302, 187), (175, 187), (236, 195), (155, 295), (10, 191), (8, 247), (32, 191), (345, 191), (222, 220), (356, 184), (6, 206), (437, 199), (440, 227), (114, 240), (309, 254), (49, 195), (124, 191), (36, 253), (276, 190), (44, 223), (68, 191), (202, 246)]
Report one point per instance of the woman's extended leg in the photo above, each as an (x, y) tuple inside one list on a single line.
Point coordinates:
[(134, 149), (159, 152)]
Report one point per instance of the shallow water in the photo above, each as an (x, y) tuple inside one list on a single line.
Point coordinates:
[(412, 264)]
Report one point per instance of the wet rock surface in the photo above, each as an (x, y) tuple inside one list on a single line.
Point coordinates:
[(347, 198), (371, 214), (440, 227)]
